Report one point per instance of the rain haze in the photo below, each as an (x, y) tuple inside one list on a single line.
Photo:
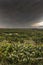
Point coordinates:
[(21, 13)]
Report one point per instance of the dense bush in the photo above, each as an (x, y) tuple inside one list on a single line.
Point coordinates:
[(21, 48), (20, 54)]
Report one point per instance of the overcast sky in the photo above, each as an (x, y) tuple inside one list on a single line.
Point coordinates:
[(20, 13)]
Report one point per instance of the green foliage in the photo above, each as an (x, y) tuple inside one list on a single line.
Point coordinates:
[(20, 54), (21, 48)]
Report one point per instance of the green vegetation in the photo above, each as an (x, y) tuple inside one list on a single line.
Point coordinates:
[(21, 47)]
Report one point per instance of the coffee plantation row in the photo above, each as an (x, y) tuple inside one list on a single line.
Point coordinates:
[(21, 48)]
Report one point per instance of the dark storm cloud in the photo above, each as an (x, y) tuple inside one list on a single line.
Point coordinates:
[(20, 13)]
